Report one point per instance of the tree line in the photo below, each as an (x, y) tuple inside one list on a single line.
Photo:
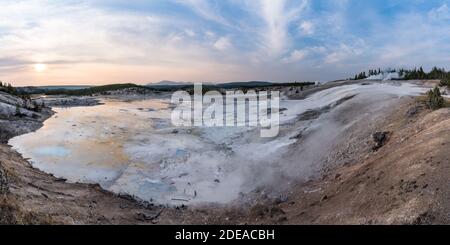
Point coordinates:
[(410, 74), (420, 74), (364, 75), (8, 88)]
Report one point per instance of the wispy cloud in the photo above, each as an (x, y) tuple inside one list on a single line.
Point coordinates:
[(277, 17), (206, 9), (442, 12)]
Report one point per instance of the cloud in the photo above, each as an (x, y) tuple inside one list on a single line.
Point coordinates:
[(443, 12), (210, 34), (277, 19), (75, 43), (223, 43), (190, 33), (306, 27), (295, 56)]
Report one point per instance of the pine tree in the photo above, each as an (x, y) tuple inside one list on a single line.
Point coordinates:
[(435, 99)]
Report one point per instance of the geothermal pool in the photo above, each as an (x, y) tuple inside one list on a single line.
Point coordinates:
[(132, 147)]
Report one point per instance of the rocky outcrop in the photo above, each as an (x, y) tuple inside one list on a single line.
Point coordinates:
[(19, 116)]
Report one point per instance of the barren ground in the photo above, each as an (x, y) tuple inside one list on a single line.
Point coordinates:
[(404, 182)]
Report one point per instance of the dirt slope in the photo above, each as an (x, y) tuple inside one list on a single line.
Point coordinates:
[(405, 182)]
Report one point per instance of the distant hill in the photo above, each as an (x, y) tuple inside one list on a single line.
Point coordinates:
[(70, 87), (164, 86), (45, 89), (250, 84), (168, 83), (96, 89)]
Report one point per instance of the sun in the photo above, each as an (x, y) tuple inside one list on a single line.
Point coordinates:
[(40, 67)]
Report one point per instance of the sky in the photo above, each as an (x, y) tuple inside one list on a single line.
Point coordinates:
[(75, 42)]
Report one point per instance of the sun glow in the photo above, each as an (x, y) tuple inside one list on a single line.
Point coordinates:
[(40, 67)]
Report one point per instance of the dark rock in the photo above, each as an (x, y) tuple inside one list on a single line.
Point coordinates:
[(409, 186), (146, 216), (298, 136), (380, 139), (126, 197), (425, 218)]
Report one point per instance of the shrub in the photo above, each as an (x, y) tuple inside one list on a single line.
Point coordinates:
[(445, 82), (435, 99)]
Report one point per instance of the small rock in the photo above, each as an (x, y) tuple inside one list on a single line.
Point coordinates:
[(380, 139)]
